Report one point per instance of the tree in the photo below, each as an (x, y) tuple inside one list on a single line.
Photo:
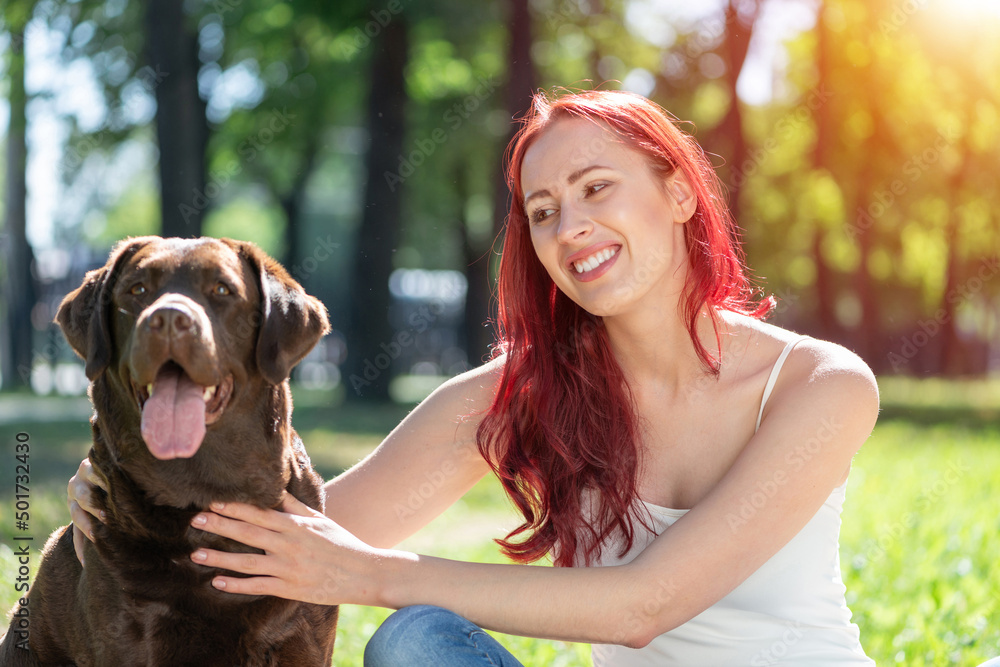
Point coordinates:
[(144, 47), (371, 337), (518, 89), (310, 64), (740, 17), (181, 127), (18, 282), (826, 323)]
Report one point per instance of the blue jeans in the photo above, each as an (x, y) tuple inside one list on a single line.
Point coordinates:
[(435, 637)]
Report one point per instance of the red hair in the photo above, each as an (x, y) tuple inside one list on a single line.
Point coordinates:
[(563, 420)]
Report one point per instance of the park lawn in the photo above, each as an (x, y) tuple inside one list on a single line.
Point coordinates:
[(919, 537)]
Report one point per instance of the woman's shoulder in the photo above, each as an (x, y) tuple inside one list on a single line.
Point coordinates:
[(817, 368), (472, 390), (483, 377), (768, 340)]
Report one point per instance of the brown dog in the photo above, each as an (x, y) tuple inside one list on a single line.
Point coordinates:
[(188, 346)]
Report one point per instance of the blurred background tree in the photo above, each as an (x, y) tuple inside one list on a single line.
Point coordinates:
[(361, 143), (18, 291)]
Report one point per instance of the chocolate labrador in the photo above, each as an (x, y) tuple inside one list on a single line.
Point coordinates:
[(188, 345)]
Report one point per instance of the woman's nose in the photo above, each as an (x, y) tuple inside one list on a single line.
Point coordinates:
[(574, 224)]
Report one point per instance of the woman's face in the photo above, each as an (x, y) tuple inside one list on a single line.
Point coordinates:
[(607, 227)]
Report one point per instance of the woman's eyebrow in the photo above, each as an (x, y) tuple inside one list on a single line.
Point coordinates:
[(570, 180)]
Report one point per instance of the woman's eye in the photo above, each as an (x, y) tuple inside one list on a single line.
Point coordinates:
[(594, 188), (222, 290), (138, 289), (541, 214)]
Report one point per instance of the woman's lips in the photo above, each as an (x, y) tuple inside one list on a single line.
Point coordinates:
[(593, 263)]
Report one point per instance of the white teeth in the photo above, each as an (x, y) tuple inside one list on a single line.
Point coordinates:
[(209, 393), (595, 260)]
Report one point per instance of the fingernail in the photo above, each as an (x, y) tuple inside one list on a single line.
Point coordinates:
[(199, 555), (218, 583), (91, 533), (218, 506), (199, 520), (103, 515)]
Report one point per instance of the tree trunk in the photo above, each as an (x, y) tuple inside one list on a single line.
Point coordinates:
[(824, 290), (952, 355), (824, 287), (869, 337), (181, 126), (481, 262), (291, 204), (730, 130), (370, 338), (18, 283)]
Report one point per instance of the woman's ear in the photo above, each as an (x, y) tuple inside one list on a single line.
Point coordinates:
[(679, 189)]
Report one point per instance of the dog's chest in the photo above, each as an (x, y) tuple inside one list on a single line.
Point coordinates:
[(158, 634)]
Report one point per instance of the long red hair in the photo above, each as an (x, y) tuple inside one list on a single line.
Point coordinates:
[(563, 421)]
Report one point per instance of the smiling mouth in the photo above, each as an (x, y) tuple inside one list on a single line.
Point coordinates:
[(176, 411), (595, 260)]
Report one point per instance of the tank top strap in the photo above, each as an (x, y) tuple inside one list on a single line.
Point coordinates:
[(773, 377)]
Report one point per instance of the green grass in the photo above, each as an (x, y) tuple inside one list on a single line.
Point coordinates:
[(921, 527), (920, 536)]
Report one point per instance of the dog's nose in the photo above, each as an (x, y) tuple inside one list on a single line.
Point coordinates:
[(171, 320)]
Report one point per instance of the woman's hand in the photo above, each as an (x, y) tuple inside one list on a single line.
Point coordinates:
[(80, 496), (307, 556)]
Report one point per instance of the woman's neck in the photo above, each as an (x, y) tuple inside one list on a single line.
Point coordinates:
[(655, 347)]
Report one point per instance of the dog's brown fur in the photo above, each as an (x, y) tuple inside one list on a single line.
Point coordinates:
[(140, 600)]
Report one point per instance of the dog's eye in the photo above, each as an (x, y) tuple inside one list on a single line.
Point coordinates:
[(222, 290), (138, 289)]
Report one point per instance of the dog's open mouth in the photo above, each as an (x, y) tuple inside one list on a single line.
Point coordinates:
[(176, 410)]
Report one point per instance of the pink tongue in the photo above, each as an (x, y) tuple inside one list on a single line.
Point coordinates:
[(173, 418)]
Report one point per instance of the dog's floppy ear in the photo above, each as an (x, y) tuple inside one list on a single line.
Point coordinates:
[(292, 322), (85, 314)]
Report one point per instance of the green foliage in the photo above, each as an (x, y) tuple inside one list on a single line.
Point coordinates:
[(893, 197), (898, 202), (136, 213), (249, 220)]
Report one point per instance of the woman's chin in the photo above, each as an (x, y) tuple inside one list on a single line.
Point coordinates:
[(613, 295), (604, 302)]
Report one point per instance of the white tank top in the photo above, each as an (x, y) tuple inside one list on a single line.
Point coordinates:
[(790, 611)]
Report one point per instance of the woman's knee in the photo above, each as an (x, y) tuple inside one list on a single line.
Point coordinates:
[(411, 635)]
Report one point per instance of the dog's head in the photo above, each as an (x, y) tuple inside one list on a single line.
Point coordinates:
[(185, 327)]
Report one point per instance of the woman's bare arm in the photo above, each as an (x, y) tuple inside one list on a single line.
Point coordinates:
[(825, 395), (424, 465), (819, 418)]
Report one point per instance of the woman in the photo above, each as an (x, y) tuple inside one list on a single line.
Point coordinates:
[(634, 389)]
